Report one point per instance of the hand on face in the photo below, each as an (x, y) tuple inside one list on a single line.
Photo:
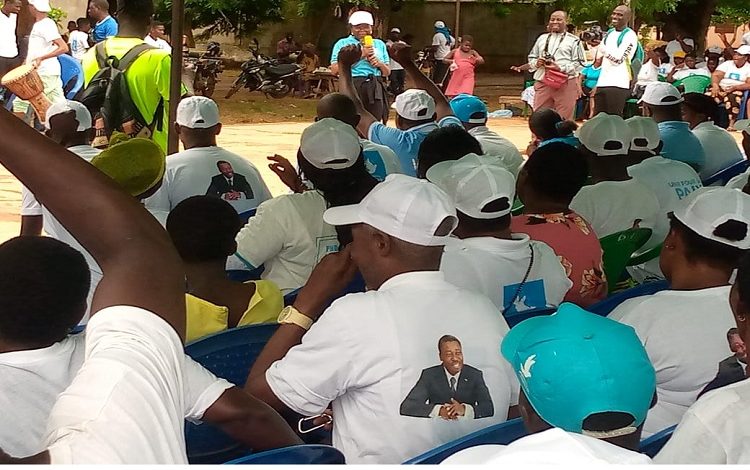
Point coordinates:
[(401, 53), (331, 276)]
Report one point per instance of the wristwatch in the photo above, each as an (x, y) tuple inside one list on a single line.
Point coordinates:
[(291, 315)]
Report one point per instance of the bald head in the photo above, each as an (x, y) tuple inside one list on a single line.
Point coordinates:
[(621, 17), (558, 22), (338, 106)]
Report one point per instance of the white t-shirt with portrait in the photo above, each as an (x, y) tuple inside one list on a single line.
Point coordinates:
[(443, 48), (713, 431), (374, 358), (288, 236), (675, 46), (79, 44), (733, 75), (684, 333), (496, 268), (41, 38), (129, 400), (721, 149)]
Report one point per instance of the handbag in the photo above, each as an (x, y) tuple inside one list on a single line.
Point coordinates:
[(554, 78)]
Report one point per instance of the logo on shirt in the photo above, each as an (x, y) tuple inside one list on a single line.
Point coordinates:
[(375, 164), (326, 245), (530, 297), (684, 188)]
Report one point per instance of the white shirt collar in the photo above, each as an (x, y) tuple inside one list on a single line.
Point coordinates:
[(449, 376), (412, 278), (518, 242)]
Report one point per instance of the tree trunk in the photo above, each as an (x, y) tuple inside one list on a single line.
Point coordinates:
[(693, 17)]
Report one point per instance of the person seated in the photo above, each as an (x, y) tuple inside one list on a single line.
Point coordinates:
[(473, 115), (123, 396), (204, 167), (203, 229), (651, 68), (548, 181), (730, 81), (615, 202), (683, 329), (712, 429), (741, 181), (411, 351), (445, 144), (687, 69), (547, 127), (722, 151), (732, 369), (586, 387), (287, 235), (513, 271)]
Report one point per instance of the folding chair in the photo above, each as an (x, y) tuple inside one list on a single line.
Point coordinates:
[(606, 306), (721, 178), (618, 249), (652, 445), (71, 75), (294, 455)]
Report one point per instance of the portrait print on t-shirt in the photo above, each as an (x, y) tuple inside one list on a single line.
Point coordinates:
[(451, 390), (228, 185)]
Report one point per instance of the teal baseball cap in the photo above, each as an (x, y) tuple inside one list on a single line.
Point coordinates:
[(464, 106), (574, 364)]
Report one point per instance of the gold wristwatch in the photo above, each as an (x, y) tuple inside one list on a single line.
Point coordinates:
[(293, 316)]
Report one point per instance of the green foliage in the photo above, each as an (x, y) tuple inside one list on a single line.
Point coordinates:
[(239, 17), (57, 15)]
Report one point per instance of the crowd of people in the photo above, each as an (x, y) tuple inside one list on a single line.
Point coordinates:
[(408, 249)]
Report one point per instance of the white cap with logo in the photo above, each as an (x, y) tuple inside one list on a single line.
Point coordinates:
[(41, 5), (404, 207), (605, 135), (644, 133), (414, 104), (83, 116), (473, 182), (197, 112), (661, 94), (707, 208), (330, 144), (361, 17)]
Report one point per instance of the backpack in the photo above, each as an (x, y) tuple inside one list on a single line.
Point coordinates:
[(637, 62), (107, 97)]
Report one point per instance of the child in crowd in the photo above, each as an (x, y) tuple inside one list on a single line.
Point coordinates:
[(547, 126)]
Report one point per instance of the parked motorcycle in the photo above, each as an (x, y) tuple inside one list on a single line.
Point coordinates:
[(205, 69), (261, 73)]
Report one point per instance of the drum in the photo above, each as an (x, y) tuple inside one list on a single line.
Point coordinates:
[(26, 83)]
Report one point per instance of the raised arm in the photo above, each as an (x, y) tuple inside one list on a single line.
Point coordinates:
[(347, 57), (141, 267), (401, 53)]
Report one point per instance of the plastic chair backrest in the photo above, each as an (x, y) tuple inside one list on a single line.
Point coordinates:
[(695, 83), (244, 216), (294, 455), (743, 105), (618, 248), (722, 177), (71, 75), (516, 318), (503, 433), (652, 445), (606, 306)]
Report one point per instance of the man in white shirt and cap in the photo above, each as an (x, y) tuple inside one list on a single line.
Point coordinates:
[(442, 43), (366, 352)]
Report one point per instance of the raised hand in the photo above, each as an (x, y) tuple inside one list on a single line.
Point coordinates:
[(349, 55)]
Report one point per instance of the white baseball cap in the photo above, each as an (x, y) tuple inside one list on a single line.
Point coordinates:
[(744, 50), (473, 182), (414, 104), (707, 208), (714, 50), (361, 17), (197, 112), (83, 116), (661, 94), (439, 24), (330, 144), (395, 30), (41, 5), (644, 133), (605, 135), (404, 207), (742, 125)]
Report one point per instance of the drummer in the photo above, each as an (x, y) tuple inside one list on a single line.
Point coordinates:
[(45, 44), (368, 74)]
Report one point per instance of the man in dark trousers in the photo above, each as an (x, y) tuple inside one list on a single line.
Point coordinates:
[(228, 185)]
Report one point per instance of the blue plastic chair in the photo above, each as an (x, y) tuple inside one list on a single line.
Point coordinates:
[(722, 177), (229, 354), (294, 455), (245, 216), (244, 275), (743, 105), (606, 306), (71, 75), (652, 445), (503, 433), (516, 318)]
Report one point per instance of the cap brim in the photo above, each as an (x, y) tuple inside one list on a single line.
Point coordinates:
[(342, 215), (743, 125), (511, 342), (437, 172)]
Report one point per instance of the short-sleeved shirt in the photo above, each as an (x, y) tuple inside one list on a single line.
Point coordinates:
[(379, 160), (362, 68), (288, 236), (374, 357), (675, 46), (733, 75), (129, 400), (719, 146), (43, 33), (158, 42), (8, 43), (79, 44), (681, 144), (195, 172), (498, 146), (406, 143), (617, 54), (576, 246), (104, 29), (684, 333), (443, 47)]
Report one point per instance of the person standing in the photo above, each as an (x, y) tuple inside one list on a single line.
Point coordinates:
[(79, 39), (368, 73), (462, 63), (8, 43), (560, 54), (398, 75), (105, 26), (442, 43), (619, 46), (155, 37), (286, 47)]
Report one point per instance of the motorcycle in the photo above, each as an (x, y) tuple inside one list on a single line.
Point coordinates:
[(205, 69), (261, 73)]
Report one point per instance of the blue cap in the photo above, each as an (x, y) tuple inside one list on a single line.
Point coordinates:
[(464, 106), (573, 364)]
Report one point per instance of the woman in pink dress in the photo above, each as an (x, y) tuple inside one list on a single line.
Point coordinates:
[(462, 62)]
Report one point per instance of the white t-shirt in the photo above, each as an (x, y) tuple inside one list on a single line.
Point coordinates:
[(614, 206), (686, 72), (746, 39), (733, 75), (739, 181), (380, 160), (496, 145), (496, 268), (288, 236), (615, 69), (79, 44), (713, 431), (374, 357), (195, 172), (129, 400), (684, 333), (443, 48), (721, 149), (8, 45), (551, 447), (43, 33), (158, 42), (675, 46), (649, 73)]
